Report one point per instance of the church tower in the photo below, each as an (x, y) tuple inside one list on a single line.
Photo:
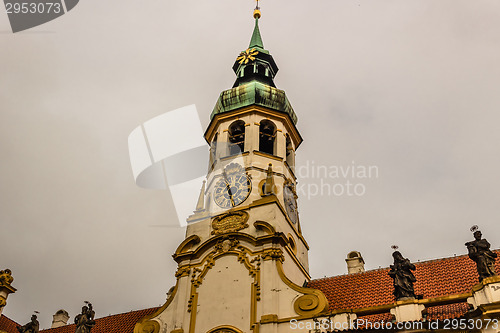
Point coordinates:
[(244, 261)]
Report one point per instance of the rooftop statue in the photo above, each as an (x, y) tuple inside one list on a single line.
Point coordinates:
[(401, 273), (480, 253), (32, 327), (85, 320)]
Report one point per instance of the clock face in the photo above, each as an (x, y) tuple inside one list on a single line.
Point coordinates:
[(232, 189), (290, 203)]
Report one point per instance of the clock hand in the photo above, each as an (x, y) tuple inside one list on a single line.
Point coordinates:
[(228, 188), (230, 195)]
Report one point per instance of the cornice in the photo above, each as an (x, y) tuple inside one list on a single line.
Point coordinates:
[(276, 238)]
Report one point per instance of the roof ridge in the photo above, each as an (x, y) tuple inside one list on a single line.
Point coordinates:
[(437, 259), (351, 274), (102, 318), (11, 320), (119, 314), (385, 268)]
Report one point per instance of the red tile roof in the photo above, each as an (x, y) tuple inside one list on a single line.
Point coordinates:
[(435, 278), (385, 317), (8, 325), (440, 277), (449, 311), (120, 323)]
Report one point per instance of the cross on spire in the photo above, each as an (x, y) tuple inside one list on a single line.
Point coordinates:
[(256, 12)]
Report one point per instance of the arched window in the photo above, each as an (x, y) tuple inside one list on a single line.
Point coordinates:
[(248, 70), (225, 329), (213, 149), (353, 254), (237, 137), (261, 70), (290, 153), (267, 136)]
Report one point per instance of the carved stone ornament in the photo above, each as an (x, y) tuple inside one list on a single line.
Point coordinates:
[(229, 222), (273, 254), (226, 244), (182, 271), (149, 326), (6, 277)]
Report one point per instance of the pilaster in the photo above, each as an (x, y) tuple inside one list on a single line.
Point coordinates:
[(486, 292), (408, 310)]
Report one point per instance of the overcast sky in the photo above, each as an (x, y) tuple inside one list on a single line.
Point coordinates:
[(411, 87)]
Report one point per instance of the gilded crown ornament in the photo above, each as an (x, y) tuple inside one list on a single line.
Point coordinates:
[(6, 277), (234, 168)]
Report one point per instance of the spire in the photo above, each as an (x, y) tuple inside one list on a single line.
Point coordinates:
[(255, 63), (201, 199), (256, 41)]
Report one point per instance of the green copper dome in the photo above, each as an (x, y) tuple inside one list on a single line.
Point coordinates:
[(254, 93)]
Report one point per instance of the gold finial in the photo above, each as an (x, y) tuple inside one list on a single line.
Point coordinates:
[(256, 12)]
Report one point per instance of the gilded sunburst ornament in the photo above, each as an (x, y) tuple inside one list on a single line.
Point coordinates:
[(247, 55)]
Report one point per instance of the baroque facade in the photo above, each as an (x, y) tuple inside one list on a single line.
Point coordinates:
[(243, 266)]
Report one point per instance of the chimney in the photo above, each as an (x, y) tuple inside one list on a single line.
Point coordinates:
[(60, 319), (355, 262), (5, 287)]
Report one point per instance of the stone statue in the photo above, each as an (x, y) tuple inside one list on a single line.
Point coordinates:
[(401, 273), (268, 186), (479, 251), (6, 277), (85, 320), (32, 327)]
